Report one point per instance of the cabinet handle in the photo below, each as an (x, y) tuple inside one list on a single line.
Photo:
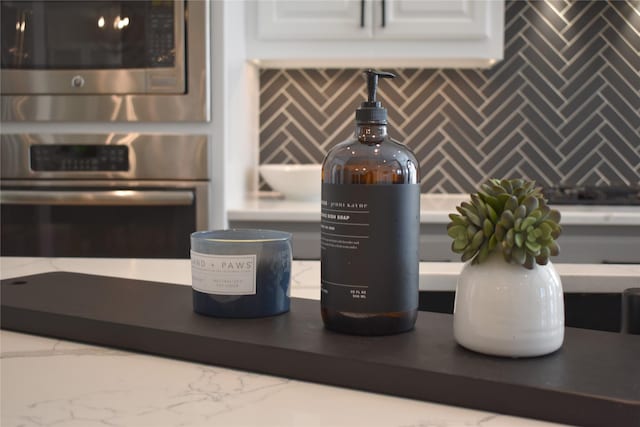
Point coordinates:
[(384, 14), (362, 13)]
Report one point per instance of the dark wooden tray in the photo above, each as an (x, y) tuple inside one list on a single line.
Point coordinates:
[(594, 379)]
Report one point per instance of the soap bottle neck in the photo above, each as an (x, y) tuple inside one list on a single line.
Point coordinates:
[(371, 133)]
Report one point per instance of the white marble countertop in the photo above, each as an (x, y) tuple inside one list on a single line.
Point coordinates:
[(435, 209), (50, 382)]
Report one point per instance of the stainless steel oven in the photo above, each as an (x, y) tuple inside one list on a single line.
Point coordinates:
[(123, 60), (115, 195)]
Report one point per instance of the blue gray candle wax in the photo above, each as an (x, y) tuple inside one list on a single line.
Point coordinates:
[(241, 273)]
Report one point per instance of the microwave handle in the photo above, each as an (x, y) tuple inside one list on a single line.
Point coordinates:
[(97, 198)]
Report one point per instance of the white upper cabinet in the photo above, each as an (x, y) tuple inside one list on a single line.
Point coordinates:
[(344, 33)]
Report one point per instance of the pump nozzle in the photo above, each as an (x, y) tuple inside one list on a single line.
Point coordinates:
[(371, 111), (372, 82)]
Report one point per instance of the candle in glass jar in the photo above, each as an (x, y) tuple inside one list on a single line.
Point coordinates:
[(241, 272)]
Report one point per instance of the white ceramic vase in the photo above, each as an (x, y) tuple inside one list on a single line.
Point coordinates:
[(507, 310)]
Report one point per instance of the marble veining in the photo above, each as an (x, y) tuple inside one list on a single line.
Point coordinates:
[(111, 387), (57, 383)]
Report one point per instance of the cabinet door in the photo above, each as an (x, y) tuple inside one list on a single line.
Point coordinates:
[(314, 19), (433, 19), (416, 33)]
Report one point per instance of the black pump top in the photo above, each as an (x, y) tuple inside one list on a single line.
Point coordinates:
[(371, 111)]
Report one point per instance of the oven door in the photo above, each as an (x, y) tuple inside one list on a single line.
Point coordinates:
[(96, 219)]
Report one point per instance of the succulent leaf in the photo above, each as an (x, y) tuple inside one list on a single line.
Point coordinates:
[(487, 227), (506, 184), (545, 252), (510, 238), (491, 213), (455, 231), (483, 253), (502, 199), (533, 247), (477, 240), (517, 224), (468, 254), (542, 260), (545, 228), (531, 203), (473, 217), (507, 219), (520, 212), (537, 213), (519, 255), (529, 261), (554, 215), (527, 222), (511, 204), (471, 231), (457, 219), (459, 245), (493, 242)]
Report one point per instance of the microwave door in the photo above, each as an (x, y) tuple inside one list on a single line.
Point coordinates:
[(96, 47)]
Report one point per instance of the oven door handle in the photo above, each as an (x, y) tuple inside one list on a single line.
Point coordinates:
[(97, 198)]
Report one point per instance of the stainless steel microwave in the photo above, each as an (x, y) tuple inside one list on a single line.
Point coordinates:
[(141, 60)]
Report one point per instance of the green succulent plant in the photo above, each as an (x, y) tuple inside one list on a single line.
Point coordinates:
[(510, 215)]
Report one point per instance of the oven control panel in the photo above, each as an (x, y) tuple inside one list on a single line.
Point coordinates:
[(65, 157)]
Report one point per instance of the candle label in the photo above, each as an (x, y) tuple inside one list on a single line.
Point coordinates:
[(223, 274)]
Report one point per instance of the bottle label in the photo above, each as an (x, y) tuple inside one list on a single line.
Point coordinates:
[(369, 247), (223, 274)]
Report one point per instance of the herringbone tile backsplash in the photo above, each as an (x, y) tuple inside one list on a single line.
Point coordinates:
[(562, 107)]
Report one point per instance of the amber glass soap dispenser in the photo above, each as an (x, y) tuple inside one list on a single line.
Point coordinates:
[(370, 227)]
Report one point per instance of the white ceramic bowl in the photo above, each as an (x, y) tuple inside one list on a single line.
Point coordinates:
[(296, 182)]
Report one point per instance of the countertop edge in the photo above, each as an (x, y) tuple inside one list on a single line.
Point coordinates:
[(435, 209), (434, 276)]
